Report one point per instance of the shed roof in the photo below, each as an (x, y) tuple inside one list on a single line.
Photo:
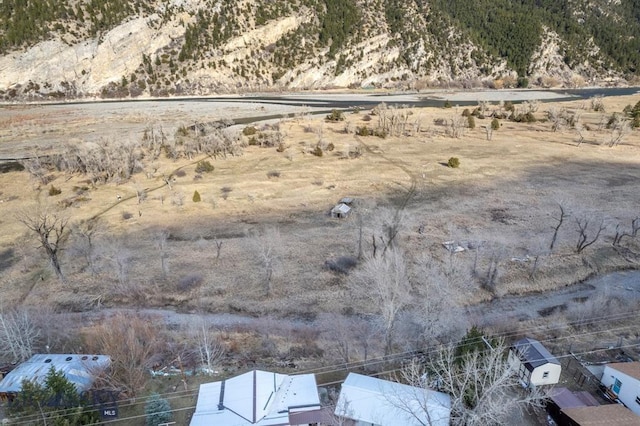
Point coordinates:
[(565, 398), (533, 354), (603, 415), (631, 369), (255, 398), (341, 208), (387, 403), (79, 369)]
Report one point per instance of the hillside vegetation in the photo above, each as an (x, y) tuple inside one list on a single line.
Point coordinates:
[(120, 48)]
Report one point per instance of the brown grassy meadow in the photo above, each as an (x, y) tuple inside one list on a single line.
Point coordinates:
[(505, 195)]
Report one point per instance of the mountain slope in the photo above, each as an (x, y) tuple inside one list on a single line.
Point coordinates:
[(120, 48)]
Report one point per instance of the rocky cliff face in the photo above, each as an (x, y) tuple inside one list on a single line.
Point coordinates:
[(183, 47)]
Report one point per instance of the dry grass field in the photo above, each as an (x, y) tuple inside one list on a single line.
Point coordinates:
[(163, 252), (503, 197)]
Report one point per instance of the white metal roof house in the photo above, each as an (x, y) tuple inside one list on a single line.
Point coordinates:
[(534, 363), (623, 379), (79, 369), (375, 402), (257, 398)]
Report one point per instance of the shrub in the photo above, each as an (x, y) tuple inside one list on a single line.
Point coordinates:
[(447, 104), (317, 151), (158, 410), (281, 147), (471, 122), (355, 152), (380, 133), (508, 106), (204, 166), (364, 131), (331, 147), (341, 264), (126, 215), (196, 197), (308, 350), (336, 115), (495, 124), (273, 174), (597, 104), (189, 282), (182, 131), (181, 173), (466, 112), (523, 82), (453, 162), (249, 131), (54, 191)]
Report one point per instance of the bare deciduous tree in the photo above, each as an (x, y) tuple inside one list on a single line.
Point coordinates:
[(635, 227), (483, 386), (488, 132), (208, 347), (19, 335), (620, 128), (51, 230), (456, 126), (36, 168), (584, 240), (560, 219), (87, 231), (579, 128), (131, 342), (161, 239), (267, 245), (218, 244), (384, 281), (340, 331)]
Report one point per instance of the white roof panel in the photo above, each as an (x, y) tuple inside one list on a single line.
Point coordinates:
[(79, 369), (256, 397), (387, 403)]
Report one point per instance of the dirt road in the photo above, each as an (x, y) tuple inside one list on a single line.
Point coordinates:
[(624, 285)]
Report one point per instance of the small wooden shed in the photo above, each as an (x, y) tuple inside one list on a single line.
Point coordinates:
[(534, 363), (340, 211)]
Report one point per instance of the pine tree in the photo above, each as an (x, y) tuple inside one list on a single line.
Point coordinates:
[(56, 393), (158, 410)]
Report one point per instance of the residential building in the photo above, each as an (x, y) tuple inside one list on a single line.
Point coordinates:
[(259, 398), (623, 380), (369, 401), (601, 415), (79, 369)]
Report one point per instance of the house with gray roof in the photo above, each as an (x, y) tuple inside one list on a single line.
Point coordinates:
[(534, 363), (79, 369)]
